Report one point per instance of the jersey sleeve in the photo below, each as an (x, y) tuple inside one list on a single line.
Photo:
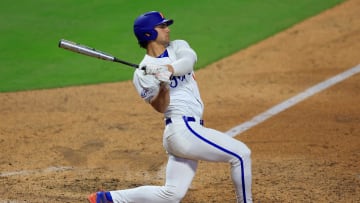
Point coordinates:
[(147, 86), (185, 58)]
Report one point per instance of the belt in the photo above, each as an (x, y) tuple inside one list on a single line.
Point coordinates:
[(189, 119)]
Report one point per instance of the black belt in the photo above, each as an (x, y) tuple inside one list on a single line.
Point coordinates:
[(189, 119)]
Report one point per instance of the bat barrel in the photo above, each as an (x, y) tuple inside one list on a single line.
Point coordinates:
[(82, 49)]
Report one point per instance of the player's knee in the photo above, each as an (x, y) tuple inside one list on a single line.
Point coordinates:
[(247, 152), (243, 151), (242, 155), (246, 156), (174, 194)]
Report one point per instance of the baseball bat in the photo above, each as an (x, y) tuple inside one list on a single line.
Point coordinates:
[(88, 51)]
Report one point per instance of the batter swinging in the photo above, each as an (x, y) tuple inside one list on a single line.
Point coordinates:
[(167, 83)]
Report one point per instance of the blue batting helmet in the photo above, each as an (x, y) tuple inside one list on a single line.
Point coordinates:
[(144, 25)]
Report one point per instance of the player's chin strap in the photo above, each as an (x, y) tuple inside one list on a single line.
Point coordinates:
[(189, 119)]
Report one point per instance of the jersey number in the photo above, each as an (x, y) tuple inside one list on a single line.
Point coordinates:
[(177, 79)]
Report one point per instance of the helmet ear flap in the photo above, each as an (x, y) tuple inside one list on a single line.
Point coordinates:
[(150, 35)]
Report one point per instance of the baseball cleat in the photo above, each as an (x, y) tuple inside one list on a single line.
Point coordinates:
[(98, 197)]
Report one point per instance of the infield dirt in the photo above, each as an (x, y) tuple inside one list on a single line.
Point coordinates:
[(59, 145)]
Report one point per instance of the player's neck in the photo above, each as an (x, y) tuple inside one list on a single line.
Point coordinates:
[(155, 49)]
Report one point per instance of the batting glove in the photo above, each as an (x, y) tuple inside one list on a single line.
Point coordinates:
[(164, 76), (154, 69)]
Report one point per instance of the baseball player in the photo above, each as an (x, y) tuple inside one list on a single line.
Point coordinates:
[(167, 82)]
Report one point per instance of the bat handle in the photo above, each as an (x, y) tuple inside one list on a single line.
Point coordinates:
[(126, 63)]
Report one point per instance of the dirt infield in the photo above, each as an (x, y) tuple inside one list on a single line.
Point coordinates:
[(59, 145)]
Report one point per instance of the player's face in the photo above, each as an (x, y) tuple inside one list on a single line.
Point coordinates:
[(163, 34)]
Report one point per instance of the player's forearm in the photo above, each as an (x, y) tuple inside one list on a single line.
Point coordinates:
[(186, 62), (162, 100)]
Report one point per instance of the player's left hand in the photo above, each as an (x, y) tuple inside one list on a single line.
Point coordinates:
[(164, 76), (151, 69)]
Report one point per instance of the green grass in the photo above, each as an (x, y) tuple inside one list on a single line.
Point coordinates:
[(31, 30)]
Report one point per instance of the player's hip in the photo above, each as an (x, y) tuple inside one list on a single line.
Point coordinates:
[(187, 138)]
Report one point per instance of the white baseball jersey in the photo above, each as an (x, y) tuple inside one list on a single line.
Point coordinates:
[(184, 93)]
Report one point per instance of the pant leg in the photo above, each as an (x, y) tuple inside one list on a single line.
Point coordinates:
[(197, 142), (234, 152), (179, 175)]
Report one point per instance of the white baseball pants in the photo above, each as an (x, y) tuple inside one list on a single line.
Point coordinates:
[(187, 141)]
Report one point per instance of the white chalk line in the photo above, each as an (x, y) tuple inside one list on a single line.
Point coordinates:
[(292, 101), (37, 171), (12, 201)]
